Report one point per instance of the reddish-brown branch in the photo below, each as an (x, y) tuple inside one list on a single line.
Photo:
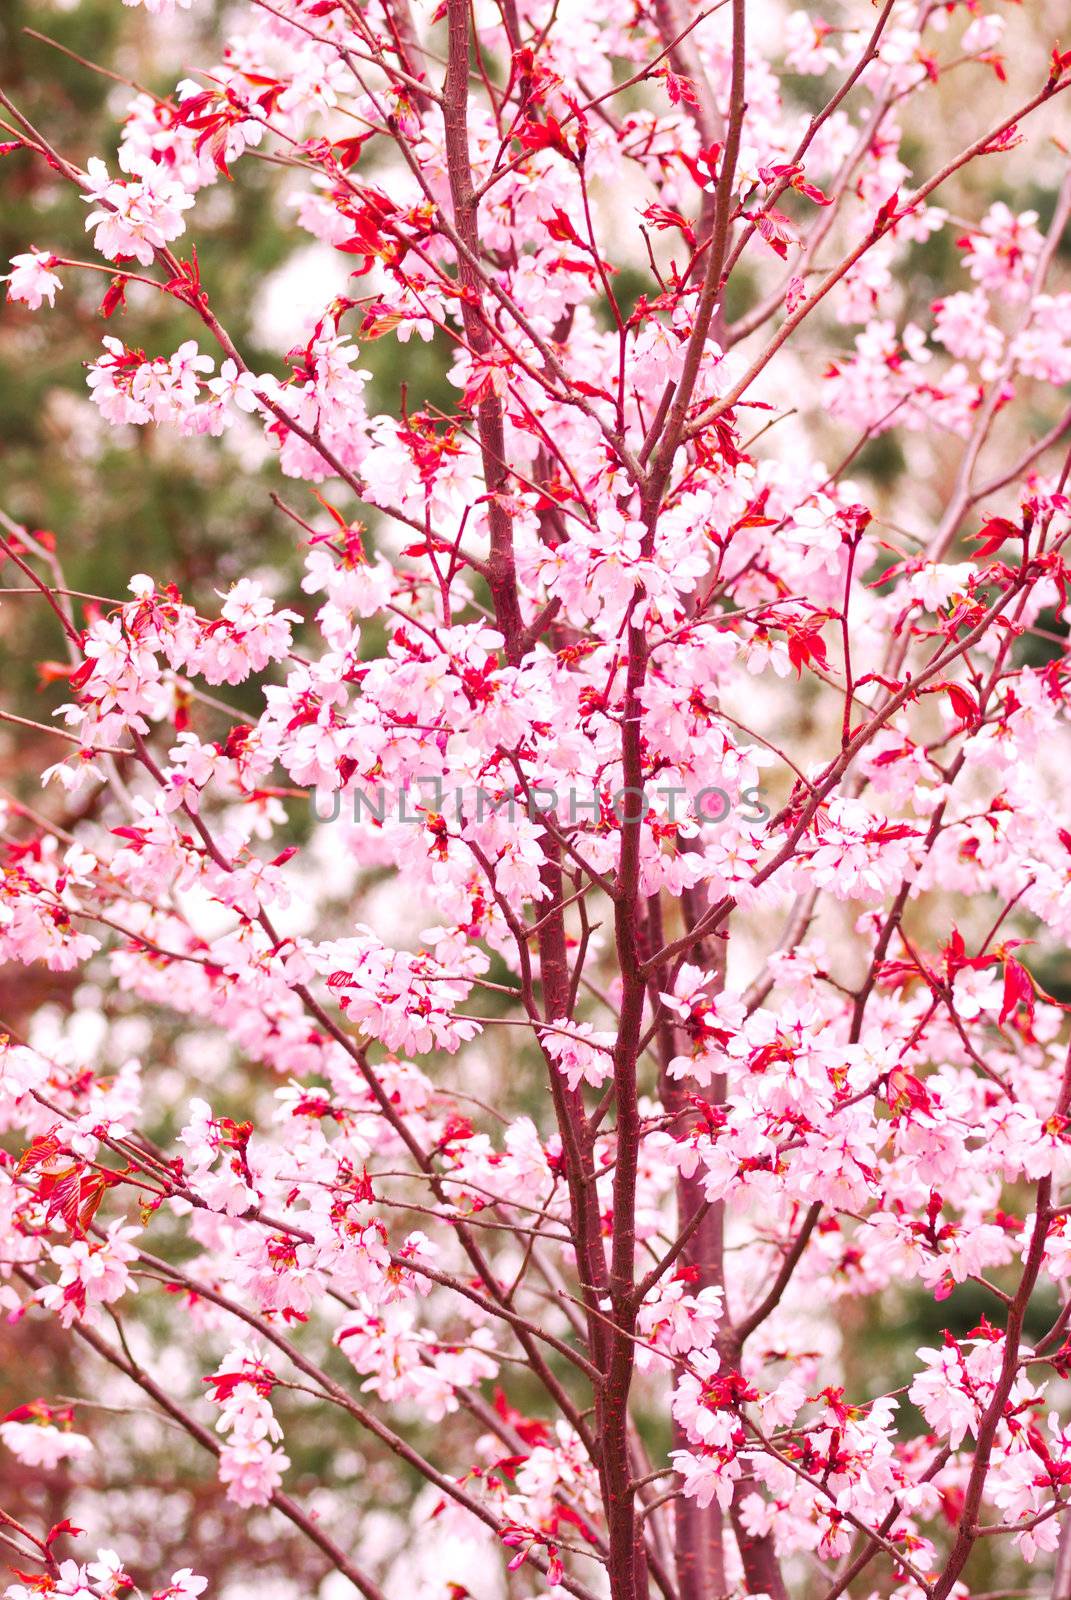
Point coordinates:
[(967, 1530)]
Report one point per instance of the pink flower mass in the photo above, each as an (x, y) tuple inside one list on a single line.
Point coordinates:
[(505, 1187)]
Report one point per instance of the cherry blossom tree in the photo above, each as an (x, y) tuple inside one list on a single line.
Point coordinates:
[(646, 979)]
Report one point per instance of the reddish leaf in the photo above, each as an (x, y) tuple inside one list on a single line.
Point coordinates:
[(795, 295), (63, 1191), (963, 702), (994, 533), (347, 151), (806, 646), (544, 136), (559, 227), (680, 89), (776, 230), (41, 1149), (92, 1193), (812, 191), (67, 1527), (114, 297), (1061, 60), (1007, 139), (887, 213), (1018, 991), (135, 835), (663, 217)]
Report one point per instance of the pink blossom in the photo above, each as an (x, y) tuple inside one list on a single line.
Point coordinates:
[(32, 279), (136, 216)]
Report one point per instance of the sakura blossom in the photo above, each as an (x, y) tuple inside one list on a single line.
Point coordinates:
[(136, 216), (250, 1464), (32, 279), (41, 1444)]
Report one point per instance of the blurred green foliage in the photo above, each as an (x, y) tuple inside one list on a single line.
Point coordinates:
[(122, 501), (116, 503)]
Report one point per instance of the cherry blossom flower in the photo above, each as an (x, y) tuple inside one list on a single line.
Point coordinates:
[(32, 280), (136, 216)]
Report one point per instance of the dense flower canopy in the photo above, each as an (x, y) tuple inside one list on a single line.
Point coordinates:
[(659, 965)]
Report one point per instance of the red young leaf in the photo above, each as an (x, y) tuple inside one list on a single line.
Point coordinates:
[(544, 136), (67, 1527), (993, 534), (114, 297), (1018, 991)]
